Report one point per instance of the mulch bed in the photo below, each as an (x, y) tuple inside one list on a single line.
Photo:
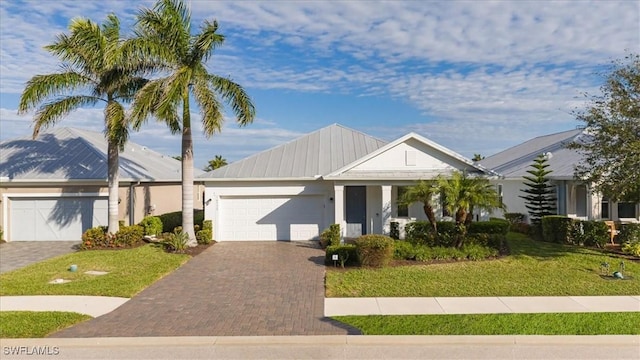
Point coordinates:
[(193, 251)]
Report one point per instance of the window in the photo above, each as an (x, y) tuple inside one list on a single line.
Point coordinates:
[(626, 210), (499, 192), (403, 210), (604, 209)]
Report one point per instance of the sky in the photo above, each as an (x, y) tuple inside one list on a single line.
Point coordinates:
[(473, 76)]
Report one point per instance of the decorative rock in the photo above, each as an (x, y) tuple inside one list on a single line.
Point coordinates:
[(618, 275), (59, 281), (150, 238)]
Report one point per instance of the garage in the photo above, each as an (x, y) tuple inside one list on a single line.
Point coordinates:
[(55, 218), (269, 218)]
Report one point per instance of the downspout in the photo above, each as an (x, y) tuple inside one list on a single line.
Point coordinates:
[(132, 211)]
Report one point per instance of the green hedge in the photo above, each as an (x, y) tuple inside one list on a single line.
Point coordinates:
[(404, 250), (559, 229), (629, 233), (172, 220), (515, 218), (489, 227), (421, 233), (152, 225), (347, 254), (374, 250), (205, 235), (593, 233)]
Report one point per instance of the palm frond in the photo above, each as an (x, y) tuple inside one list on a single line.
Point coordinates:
[(205, 42), (236, 97), (41, 87), (84, 47), (210, 107), (116, 126), (53, 111)]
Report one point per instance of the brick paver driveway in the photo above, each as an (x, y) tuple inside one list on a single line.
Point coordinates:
[(18, 254), (233, 288)]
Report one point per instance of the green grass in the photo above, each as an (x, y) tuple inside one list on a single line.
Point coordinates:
[(498, 324), (130, 271), (27, 324), (532, 269)]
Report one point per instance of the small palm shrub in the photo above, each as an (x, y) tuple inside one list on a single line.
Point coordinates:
[(152, 225), (176, 241), (374, 250)]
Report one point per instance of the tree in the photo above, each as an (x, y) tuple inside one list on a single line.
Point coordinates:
[(540, 199), (177, 157), (463, 194), (92, 72), (477, 157), (164, 33), (216, 163), (611, 143), (423, 191)]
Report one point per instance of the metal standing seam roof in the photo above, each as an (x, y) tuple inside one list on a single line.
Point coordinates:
[(64, 154), (515, 161), (316, 154)]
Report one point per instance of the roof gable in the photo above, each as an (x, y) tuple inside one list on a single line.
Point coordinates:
[(310, 156), (411, 156), (75, 154), (515, 161)]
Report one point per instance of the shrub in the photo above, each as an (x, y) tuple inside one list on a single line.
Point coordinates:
[(334, 234), (421, 233), (94, 237), (489, 227), (559, 229), (446, 253), (631, 248), (423, 253), (129, 235), (515, 218), (629, 233), (394, 230), (176, 241), (374, 250), (478, 252), (522, 228), (205, 235), (404, 250), (152, 225), (347, 254), (593, 233), (172, 220)]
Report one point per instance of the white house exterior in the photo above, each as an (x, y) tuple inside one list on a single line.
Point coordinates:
[(333, 175), (574, 197)]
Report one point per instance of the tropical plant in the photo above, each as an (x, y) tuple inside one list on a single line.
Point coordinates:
[(165, 34), (216, 163), (423, 191), (92, 72), (463, 194), (540, 199)]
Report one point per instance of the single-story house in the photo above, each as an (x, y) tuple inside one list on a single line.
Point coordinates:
[(55, 187), (574, 197), (333, 175)]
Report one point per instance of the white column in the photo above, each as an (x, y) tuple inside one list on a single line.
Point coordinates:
[(385, 211), (338, 201)]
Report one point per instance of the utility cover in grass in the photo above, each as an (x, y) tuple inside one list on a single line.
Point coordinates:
[(95, 272), (59, 281)]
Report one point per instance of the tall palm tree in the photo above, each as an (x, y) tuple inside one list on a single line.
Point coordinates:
[(164, 33), (92, 73), (463, 193), (216, 163), (423, 191)]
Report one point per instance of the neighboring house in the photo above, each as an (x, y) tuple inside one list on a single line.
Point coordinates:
[(333, 175), (574, 197), (55, 187)]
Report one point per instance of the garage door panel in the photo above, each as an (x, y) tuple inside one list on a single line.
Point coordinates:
[(59, 218), (271, 218)]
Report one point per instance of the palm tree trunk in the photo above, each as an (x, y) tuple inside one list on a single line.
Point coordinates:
[(428, 211), (461, 230), (187, 172), (113, 180)]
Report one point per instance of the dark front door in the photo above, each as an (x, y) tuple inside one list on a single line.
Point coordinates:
[(356, 210)]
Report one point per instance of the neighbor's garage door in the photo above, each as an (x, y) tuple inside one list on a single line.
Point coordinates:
[(270, 218), (62, 218)]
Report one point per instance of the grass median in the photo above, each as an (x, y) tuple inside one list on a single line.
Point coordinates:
[(30, 324)]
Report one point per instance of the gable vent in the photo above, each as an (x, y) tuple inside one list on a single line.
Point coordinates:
[(410, 158)]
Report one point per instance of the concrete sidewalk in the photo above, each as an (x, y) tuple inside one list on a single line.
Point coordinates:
[(90, 305), (479, 305)]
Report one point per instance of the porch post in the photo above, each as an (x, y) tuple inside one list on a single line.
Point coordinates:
[(385, 211), (338, 201)]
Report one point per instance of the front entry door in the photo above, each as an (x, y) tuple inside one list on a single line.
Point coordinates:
[(356, 210)]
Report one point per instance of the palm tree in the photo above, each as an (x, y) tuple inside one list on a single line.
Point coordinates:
[(216, 163), (423, 192), (164, 33), (463, 194), (92, 72)]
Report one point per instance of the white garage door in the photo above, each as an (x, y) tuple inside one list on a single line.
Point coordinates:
[(270, 218), (62, 218)]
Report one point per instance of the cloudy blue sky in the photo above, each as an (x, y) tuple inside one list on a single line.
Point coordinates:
[(474, 76)]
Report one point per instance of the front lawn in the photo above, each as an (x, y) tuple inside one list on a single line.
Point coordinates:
[(533, 269), (627, 323), (129, 272), (27, 324)]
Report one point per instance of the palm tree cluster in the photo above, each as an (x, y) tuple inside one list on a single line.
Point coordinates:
[(99, 66), (462, 193)]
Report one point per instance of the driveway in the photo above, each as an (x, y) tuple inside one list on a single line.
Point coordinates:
[(17, 254), (231, 289)]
